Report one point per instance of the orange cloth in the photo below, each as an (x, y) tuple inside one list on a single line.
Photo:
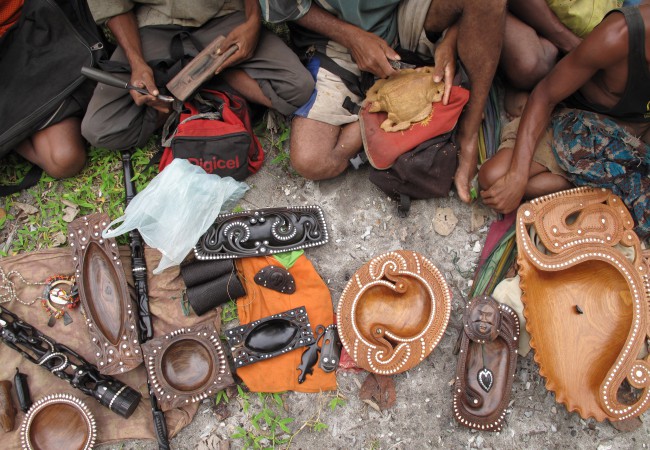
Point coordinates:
[(9, 14), (281, 372)]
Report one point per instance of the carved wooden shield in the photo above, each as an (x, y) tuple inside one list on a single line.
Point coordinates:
[(585, 292), (393, 312), (104, 294), (187, 365)]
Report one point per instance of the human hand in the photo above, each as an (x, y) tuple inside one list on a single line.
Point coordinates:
[(245, 37), (445, 68), (371, 53), (505, 195), (142, 77)]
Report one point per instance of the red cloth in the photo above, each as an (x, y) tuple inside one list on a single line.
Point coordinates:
[(9, 14), (383, 148)]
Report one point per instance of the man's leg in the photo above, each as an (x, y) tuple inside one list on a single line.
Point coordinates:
[(479, 48), (112, 119), (58, 149), (273, 76), (526, 57), (320, 151)]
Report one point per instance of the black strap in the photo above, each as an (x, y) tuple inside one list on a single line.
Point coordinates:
[(30, 179), (404, 205)]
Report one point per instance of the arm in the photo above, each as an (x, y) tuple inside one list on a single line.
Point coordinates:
[(543, 20), (370, 52), (125, 29), (602, 49), (244, 36), (445, 60)]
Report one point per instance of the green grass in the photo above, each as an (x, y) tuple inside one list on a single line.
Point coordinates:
[(98, 188)]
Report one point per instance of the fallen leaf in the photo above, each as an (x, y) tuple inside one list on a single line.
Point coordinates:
[(69, 203), (58, 239), (3, 213), (69, 213), (627, 425), (479, 215), (373, 405), (445, 221), (213, 443), (379, 388), (28, 209)]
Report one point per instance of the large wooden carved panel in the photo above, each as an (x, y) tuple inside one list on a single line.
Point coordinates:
[(585, 289), (110, 313)]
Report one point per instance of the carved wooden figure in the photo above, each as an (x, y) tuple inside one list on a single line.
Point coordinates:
[(585, 290)]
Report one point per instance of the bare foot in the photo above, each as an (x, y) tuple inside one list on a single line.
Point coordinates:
[(467, 160)]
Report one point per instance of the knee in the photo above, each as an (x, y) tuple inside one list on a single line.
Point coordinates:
[(528, 69), (307, 166), (300, 86), (489, 173), (66, 161), (91, 131)]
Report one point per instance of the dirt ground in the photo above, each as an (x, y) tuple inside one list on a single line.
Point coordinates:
[(363, 223)]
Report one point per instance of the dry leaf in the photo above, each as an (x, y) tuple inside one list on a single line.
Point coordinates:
[(69, 213), (479, 215), (379, 388), (213, 443), (445, 221), (28, 209), (58, 239), (69, 203), (373, 405), (3, 213)]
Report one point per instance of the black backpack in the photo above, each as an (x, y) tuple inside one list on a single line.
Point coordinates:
[(40, 61)]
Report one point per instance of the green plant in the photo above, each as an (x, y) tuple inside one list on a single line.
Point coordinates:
[(269, 427), (38, 217), (229, 312), (222, 396)]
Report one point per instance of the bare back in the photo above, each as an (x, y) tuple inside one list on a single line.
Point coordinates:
[(607, 86)]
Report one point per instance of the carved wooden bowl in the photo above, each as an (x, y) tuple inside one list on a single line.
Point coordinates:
[(104, 296), (186, 365), (585, 294), (393, 312), (59, 421)]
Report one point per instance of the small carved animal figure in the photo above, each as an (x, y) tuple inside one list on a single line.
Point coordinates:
[(407, 97), (307, 362)]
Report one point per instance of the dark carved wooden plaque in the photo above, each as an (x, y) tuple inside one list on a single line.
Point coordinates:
[(263, 232)]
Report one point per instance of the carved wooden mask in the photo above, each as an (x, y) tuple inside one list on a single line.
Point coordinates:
[(585, 293)]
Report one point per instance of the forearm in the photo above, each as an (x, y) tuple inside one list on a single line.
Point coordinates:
[(330, 26), (543, 20), (534, 121), (253, 11), (125, 29)]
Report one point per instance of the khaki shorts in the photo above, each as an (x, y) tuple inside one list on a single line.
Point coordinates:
[(543, 153), (326, 102)]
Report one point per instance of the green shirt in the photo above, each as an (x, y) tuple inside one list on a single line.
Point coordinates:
[(376, 16), (189, 13)]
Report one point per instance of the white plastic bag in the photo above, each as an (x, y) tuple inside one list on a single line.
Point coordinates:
[(176, 208)]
